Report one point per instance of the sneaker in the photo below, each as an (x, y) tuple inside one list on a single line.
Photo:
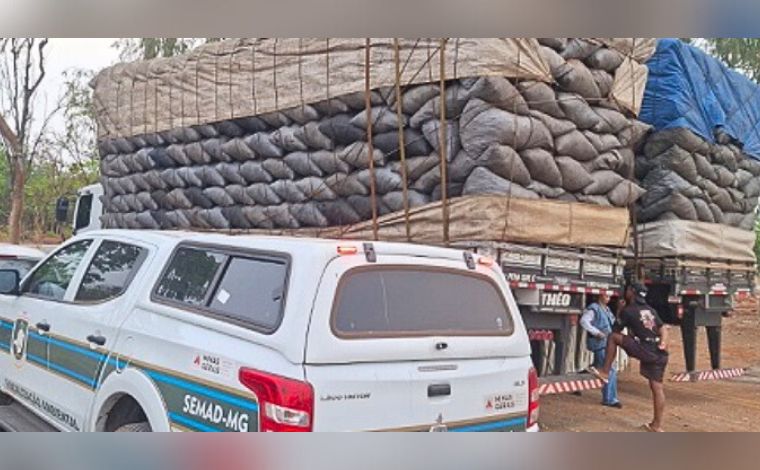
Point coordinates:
[(617, 405)]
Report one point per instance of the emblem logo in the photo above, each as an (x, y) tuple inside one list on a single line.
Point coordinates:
[(20, 335)]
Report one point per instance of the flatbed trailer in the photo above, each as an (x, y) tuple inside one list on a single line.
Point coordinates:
[(552, 286), (694, 293)]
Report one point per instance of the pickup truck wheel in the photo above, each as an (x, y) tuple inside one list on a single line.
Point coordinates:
[(135, 427)]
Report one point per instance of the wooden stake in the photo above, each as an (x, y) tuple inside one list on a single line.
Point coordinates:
[(401, 141), (370, 147), (442, 139)]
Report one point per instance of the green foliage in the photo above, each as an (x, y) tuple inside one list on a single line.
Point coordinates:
[(742, 54), (131, 49), (47, 180)]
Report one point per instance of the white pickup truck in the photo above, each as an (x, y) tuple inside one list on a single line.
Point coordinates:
[(160, 331)]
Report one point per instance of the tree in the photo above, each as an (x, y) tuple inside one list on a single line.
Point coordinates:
[(131, 49), (22, 70), (742, 54), (77, 141)]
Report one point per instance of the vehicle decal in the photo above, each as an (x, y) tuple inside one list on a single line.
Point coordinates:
[(514, 422), (191, 424), (19, 339), (213, 365), (192, 404), (36, 345), (6, 334), (41, 405)]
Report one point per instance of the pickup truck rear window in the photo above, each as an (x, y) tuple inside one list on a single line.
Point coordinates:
[(241, 288), (401, 301)]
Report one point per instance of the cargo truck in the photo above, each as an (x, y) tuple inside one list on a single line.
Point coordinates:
[(527, 159)]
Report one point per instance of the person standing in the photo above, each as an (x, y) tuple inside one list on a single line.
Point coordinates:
[(598, 320), (646, 341)]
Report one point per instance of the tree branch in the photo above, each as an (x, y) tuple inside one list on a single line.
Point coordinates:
[(10, 137)]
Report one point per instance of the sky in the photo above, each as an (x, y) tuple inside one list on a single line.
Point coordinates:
[(72, 53)]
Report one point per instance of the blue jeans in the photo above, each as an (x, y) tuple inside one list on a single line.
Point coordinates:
[(609, 391)]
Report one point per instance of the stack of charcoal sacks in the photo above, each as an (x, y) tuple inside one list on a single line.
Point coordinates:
[(689, 178), (568, 138), (702, 162)]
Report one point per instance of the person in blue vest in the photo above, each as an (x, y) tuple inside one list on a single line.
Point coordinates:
[(597, 320)]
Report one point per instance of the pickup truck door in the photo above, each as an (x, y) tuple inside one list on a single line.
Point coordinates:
[(25, 326), (83, 330)]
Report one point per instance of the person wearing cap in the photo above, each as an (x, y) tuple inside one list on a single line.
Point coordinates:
[(647, 341), (598, 320)]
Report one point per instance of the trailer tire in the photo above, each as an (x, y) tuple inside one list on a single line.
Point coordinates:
[(136, 427)]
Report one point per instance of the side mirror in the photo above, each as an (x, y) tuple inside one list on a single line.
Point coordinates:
[(10, 282), (62, 210)]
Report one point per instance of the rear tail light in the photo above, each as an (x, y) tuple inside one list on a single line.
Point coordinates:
[(285, 405), (533, 397)]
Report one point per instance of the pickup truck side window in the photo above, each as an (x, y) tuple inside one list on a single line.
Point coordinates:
[(112, 269), (252, 291), (241, 288), (190, 275), (52, 278)]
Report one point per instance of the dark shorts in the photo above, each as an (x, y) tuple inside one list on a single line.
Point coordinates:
[(653, 361)]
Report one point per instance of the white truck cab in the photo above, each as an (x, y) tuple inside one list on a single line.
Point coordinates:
[(172, 331), (88, 209)]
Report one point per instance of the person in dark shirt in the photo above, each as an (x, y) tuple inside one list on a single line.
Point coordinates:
[(647, 341)]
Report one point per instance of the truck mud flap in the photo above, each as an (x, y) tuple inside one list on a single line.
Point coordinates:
[(571, 383), (705, 375)]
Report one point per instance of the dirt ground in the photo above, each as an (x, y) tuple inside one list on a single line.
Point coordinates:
[(726, 405)]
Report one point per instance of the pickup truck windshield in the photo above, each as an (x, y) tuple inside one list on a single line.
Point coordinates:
[(399, 301)]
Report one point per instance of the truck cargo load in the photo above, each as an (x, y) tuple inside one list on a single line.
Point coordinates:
[(274, 135), (702, 163), (694, 245)]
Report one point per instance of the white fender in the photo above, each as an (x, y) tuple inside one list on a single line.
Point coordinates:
[(136, 384)]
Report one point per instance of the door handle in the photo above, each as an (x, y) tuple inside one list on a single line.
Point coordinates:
[(97, 339), (43, 326), (439, 390)]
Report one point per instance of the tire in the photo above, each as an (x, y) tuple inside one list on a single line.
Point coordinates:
[(135, 427)]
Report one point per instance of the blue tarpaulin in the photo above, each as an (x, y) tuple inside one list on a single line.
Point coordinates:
[(688, 88)]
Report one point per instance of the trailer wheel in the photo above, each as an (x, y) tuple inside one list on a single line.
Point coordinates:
[(135, 427)]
